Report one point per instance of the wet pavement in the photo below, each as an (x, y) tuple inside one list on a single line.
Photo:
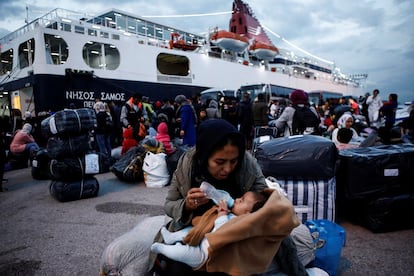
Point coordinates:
[(41, 236)]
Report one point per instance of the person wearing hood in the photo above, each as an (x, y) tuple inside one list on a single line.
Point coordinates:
[(219, 158), (162, 134), (346, 121), (186, 120), (104, 128), (23, 141), (128, 140), (212, 111)]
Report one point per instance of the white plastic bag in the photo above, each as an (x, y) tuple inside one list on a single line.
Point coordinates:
[(155, 169)]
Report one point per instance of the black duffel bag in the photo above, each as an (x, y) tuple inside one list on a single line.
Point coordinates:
[(71, 169), (73, 190), (69, 122), (59, 147)]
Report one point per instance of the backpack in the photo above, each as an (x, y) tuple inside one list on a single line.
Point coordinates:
[(129, 167), (305, 121)]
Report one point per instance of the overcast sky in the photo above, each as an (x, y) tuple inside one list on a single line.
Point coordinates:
[(360, 36)]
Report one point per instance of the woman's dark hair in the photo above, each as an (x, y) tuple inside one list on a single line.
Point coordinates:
[(212, 136), (394, 97)]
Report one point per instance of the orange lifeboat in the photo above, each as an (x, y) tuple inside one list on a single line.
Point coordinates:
[(229, 41), (178, 43), (263, 50)]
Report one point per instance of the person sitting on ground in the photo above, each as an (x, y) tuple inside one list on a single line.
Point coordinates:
[(345, 121), (162, 133), (23, 142), (195, 255), (221, 159), (128, 140)]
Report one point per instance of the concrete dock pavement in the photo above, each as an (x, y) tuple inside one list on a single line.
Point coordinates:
[(41, 236)]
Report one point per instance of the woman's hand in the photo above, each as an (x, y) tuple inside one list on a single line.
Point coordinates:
[(195, 197)]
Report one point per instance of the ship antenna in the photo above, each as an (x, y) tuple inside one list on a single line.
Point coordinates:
[(27, 15)]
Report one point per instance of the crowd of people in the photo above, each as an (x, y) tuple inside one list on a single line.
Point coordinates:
[(174, 122)]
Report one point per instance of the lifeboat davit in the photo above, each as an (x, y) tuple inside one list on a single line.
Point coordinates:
[(263, 50), (229, 41), (178, 43)]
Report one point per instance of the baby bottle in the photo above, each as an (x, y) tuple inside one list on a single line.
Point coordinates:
[(216, 195)]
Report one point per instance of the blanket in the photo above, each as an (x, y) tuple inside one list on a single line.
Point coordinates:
[(247, 244)]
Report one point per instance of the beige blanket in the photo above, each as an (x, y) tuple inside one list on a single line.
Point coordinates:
[(247, 244)]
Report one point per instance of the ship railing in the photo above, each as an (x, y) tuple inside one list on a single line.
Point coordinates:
[(44, 20)]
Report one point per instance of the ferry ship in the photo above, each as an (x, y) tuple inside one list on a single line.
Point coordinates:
[(65, 58)]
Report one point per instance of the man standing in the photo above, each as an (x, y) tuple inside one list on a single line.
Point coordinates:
[(374, 103), (132, 115)]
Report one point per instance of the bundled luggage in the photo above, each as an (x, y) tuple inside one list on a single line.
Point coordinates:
[(312, 199), (72, 169), (376, 171), (387, 213), (375, 186), (60, 147), (299, 156), (69, 135), (69, 122), (64, 191), (304, 166)]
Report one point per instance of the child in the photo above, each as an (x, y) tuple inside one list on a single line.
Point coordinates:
[(162, 134), (128, 140), (344, 138), (195, 256)]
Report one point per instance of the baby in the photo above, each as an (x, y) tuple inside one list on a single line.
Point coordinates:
[(195, 256)]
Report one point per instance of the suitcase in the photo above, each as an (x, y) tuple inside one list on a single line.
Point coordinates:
[(312, 199), (373, 172), (300, 156), (68, 191)]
